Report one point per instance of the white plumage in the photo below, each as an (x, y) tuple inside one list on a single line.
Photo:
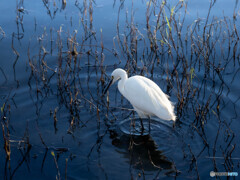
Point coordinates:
[(145, 96)]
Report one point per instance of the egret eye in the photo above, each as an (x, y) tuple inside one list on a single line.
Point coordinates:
[(112, 77)]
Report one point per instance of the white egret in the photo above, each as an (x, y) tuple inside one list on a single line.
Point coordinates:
[(145, 95)]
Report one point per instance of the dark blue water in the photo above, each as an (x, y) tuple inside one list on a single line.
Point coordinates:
[(51, 95)]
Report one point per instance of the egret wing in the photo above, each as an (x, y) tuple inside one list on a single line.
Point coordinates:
[(161, 95), (147, 97)]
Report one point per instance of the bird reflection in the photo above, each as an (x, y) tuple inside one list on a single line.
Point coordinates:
[(142, 153)]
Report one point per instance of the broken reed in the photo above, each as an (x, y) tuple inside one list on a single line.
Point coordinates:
[(23, 144)]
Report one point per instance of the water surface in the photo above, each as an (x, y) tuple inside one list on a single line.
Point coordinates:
[(56, 60)]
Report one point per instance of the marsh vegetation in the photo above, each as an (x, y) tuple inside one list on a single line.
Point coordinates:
[(56, 61)]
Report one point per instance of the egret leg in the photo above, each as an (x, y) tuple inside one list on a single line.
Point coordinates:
[(141, 115), (142, 126), (173, 124), (149, 124)]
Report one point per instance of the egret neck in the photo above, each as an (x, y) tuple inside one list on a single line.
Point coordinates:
[(121, 82)]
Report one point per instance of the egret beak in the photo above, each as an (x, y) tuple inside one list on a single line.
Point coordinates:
[(109, 84)]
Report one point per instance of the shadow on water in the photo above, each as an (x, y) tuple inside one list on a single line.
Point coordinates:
[(57, 57), (142, 154)]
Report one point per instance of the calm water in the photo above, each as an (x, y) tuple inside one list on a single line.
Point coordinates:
[(56, 60)]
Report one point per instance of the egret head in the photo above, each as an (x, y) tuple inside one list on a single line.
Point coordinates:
[(116, 75)]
